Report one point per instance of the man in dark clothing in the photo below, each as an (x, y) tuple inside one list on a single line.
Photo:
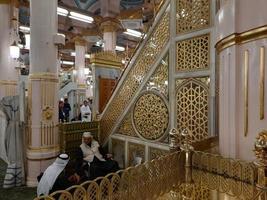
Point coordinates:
[(90, 162), (61, 114), (66, 109)]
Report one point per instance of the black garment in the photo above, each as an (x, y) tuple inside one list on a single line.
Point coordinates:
[(66, 110), (96, 169), (61, 183), (61, 115)]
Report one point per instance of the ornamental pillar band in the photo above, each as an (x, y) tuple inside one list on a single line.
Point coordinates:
[(43, 140), (8, 30)]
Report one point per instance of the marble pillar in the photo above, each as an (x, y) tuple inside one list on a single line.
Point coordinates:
[(80, 50), (43, 139), (242, 53), (8, 29)]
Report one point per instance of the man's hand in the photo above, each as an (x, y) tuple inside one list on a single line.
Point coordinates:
[(109, 156)]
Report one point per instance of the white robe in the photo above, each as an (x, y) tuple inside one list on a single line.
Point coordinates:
[(86, 113), (50, 176), (90, 152)]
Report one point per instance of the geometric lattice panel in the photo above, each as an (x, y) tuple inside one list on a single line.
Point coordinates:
[(155, 153), (192, 15), (192, 108), (150, 116), (135, 77), (193, 54), (126, 127), (159, 80)]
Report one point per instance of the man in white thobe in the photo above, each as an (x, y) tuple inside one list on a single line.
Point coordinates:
[(86, 112)]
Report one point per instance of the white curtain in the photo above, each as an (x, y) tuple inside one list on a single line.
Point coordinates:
[(12, 142)]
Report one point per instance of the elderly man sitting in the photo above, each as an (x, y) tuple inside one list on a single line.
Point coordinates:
[(91, 161)]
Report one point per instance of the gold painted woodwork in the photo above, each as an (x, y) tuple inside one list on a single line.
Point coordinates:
[(110, 25), (231, 168), (134, 78), (151, 116), (246, 66), (45, 76), (126, 127), (5, 1), (106, 59), (160, 78), (156, 153), (192, 102), (193, 54), (9, 87), (241, 38), (71, 134), (262, 82), (135, 150), (79, 41), (192, 15)]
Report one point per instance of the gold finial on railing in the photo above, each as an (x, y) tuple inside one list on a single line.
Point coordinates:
[(261, 155), (174, 139)]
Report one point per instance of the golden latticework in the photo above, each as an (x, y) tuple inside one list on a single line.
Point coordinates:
[(192, 108), (145, 181), (151, 116), (230, 168), (192, 15), (126, 127), (155, 153), (193, 54), (139, 69), (159, 80)]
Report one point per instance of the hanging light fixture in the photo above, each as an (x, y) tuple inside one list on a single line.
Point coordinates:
[(14, 50)]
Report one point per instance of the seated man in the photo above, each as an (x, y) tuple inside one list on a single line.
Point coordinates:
[(90, 162), (55, 178)]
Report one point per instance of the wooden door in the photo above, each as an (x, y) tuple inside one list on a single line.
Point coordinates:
[(106, 87)]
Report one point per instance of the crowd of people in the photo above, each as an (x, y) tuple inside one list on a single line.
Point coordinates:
[(85, 114), (90, 162)]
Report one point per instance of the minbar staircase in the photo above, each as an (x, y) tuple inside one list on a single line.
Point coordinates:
[(143, 63)]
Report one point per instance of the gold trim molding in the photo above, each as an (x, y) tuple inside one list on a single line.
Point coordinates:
[(5, 1), (44, 77), (106, 59), (262, 74), (8, 82), (241, 38), (246, 63)]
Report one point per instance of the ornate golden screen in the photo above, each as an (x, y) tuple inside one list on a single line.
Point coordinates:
[(192, 107), (193, 54), (192, 15), (151, 116)]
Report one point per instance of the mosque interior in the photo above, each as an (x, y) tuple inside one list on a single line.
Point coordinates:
[(176, 92)]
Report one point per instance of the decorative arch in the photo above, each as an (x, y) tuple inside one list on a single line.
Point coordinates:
[(192, 108)]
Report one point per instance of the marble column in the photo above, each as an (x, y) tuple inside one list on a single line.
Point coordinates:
[(242, 67), (109, 29), (80, 50), (8, 28), (43, 139)]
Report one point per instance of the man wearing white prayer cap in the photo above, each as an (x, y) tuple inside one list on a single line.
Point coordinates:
[(90, 159), (53, 178)]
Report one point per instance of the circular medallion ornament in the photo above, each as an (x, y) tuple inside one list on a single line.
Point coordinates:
[(151, 116)]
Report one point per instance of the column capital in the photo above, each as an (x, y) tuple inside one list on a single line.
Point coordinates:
[(79, 41), (110, 25)]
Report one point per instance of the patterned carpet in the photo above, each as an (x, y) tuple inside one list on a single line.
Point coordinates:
[(18, 193)]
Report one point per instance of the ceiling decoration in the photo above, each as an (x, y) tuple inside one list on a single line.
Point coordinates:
[(84, 4)]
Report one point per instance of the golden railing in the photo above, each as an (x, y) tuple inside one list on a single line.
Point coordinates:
[(146, 181), (227, 167), (71, 134)]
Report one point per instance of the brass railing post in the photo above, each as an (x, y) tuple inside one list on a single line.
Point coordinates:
[(261, 162)]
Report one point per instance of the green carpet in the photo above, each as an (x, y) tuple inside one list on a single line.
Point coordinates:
[(17, 193)]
